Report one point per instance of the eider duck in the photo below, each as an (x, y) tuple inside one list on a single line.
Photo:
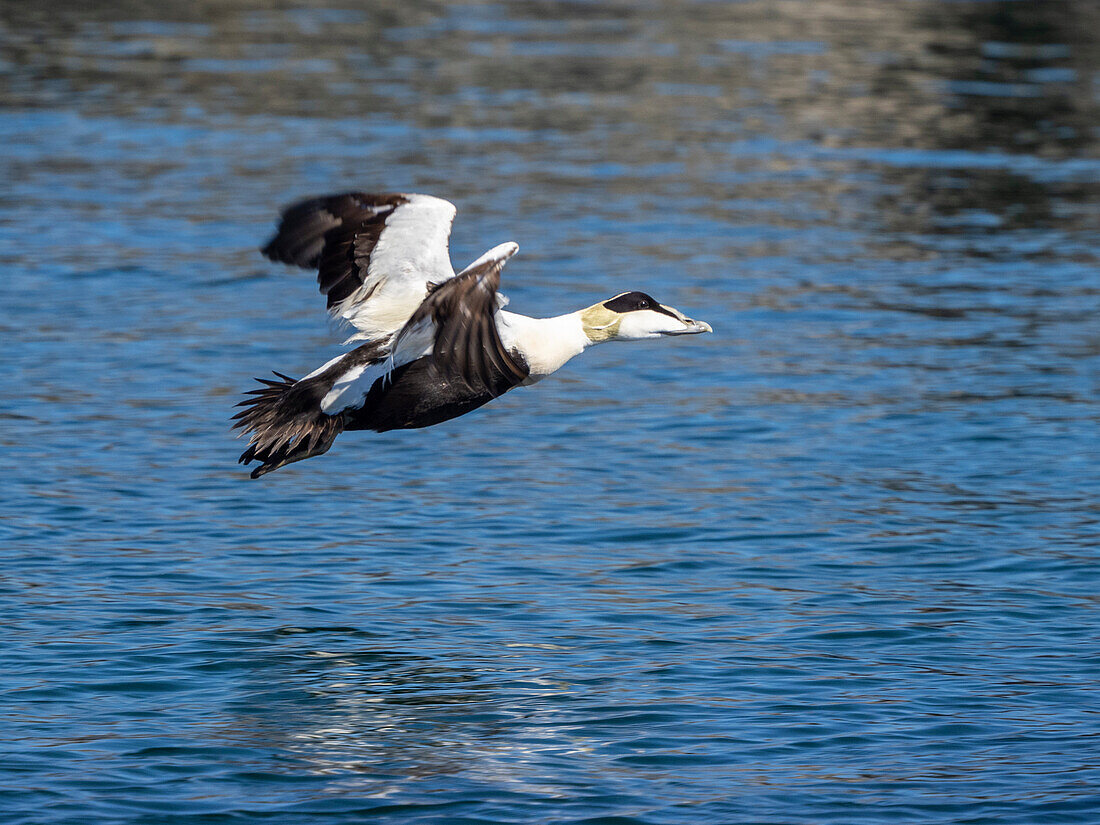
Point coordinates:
[(432, 344)]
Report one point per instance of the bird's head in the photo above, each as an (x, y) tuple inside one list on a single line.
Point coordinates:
[(634, 315)]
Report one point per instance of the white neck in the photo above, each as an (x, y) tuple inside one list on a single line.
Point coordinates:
[(546, 343)]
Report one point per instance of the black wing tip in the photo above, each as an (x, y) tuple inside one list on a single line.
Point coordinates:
[(274, 251), (287, 249)]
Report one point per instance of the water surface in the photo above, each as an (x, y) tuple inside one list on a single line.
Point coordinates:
[(837, 562)]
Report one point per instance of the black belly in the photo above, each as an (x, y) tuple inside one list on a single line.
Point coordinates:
[(419, 395)]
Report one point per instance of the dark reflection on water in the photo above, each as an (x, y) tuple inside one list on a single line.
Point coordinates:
[(835, 563)]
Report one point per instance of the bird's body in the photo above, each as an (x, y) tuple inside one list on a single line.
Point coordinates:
[(436, 344)]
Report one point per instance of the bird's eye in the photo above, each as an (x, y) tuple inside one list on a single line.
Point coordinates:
[(643, 304)]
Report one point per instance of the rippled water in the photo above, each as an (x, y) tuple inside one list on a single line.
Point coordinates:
[(837, 562)]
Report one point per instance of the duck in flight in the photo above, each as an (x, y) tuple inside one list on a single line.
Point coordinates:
[(431, 344)]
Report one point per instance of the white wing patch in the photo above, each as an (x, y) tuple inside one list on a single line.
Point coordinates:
[(350, 388), (411, 253), (414, 242)]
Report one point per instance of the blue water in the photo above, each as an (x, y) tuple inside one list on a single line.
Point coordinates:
[(836, 562)]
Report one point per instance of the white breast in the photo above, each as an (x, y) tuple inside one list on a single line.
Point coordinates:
[(545, 343)]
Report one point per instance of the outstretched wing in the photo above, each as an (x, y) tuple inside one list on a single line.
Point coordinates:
[(377, 255), (456, 327)]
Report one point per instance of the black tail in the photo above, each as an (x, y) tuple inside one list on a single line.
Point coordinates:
[(286, 423)]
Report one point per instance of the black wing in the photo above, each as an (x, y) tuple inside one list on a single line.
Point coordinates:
[(460, 316), (389, 247)]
